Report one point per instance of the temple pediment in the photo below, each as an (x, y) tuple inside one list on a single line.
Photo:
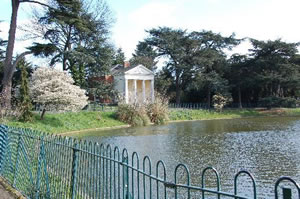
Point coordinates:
[(139, 70)]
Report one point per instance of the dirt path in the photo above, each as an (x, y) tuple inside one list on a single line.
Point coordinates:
[(5, 194)]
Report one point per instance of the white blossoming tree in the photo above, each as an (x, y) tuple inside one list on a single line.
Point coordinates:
[(55, 90)]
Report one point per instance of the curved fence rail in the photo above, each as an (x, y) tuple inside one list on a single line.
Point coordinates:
[(46, 166)]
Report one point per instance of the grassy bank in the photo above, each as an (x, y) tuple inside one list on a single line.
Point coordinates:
[(177, 114), (65, 122)]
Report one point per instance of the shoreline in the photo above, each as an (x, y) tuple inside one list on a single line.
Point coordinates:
[(93, 129), (171, 121)]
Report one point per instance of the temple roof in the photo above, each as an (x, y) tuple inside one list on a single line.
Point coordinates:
[(136, 70)]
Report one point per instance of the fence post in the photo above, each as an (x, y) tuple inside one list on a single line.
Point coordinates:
[(287, 193), (126, 178), (17, 160), (74, 171), (40, 158), (3, 145)]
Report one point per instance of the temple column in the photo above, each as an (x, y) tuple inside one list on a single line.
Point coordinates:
[(135, 91), (144, 92)]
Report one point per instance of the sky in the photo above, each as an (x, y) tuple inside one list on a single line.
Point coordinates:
[(259, 19)]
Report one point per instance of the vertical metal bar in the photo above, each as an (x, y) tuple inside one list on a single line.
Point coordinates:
[(41, 156), (74, 171), (17, 160), (287, 193)]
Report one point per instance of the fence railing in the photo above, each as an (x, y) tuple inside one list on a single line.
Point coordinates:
[(231, 105), (45, 166)]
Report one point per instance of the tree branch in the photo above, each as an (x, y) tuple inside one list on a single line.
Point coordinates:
[(19, 58), (37, 2)]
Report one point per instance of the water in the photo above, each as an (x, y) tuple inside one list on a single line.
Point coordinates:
[(266, 147)]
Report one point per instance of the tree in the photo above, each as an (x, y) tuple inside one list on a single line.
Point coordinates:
[(25, 101), (70, 10), (103, 90), (164, 84), (192, 56), (53, 89), (210, 59), (275, 68), (145, 55), (9, 65), (72, 36), (2, 57), (175, 45), (119, 57), (237, 74)]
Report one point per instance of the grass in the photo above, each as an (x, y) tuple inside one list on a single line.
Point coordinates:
[(188, 114), (65, 122)]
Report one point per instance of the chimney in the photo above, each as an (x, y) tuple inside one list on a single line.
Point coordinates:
[(126, 64)]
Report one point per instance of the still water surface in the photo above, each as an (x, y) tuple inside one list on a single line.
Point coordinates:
[(267, 147)]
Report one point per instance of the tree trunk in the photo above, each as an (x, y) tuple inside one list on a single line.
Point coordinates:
[(43, 113), (240, 97), (208, 98), (8, 65), (178, 91)]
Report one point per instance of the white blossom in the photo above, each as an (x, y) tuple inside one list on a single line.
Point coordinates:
[(54, 89)]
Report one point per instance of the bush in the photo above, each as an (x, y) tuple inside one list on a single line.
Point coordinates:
[(219, 101), (274, 101), (142, 114), (157, 111), (133, 114)]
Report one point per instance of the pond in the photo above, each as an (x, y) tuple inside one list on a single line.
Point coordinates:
[(268, 147)]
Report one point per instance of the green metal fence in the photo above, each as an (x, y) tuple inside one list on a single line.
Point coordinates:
[(45, 166)]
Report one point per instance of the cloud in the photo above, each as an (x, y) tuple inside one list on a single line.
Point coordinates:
[(154, 14), (131, 28)]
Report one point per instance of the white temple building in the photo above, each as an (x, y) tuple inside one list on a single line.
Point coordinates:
[(135, 84)]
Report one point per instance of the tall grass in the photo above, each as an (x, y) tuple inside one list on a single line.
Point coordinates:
[(69, 121)]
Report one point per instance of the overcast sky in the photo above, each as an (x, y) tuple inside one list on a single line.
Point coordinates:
[(259, 19)]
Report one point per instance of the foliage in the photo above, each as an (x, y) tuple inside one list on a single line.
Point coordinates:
[(77, 38), (145, 55), (192, 56), (25, 101), (54, 90), (157, 111), (133, 114), (102, 90), (119, 57), (141, 114), (219, 101), (163, 84), (274, 101), (175, 45)]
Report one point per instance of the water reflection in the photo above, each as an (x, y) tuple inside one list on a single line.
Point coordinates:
[(267, 147)]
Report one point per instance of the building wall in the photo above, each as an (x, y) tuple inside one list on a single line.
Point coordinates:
[(119, 82)]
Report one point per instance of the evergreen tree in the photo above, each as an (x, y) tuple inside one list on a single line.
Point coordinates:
[(119, 57), (145, 55), (25, 101), (77, 38)]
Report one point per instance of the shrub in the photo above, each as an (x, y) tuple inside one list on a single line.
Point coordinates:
[(133, 114), (142, 114), (157, 111), (219, 101), (274, 101)]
